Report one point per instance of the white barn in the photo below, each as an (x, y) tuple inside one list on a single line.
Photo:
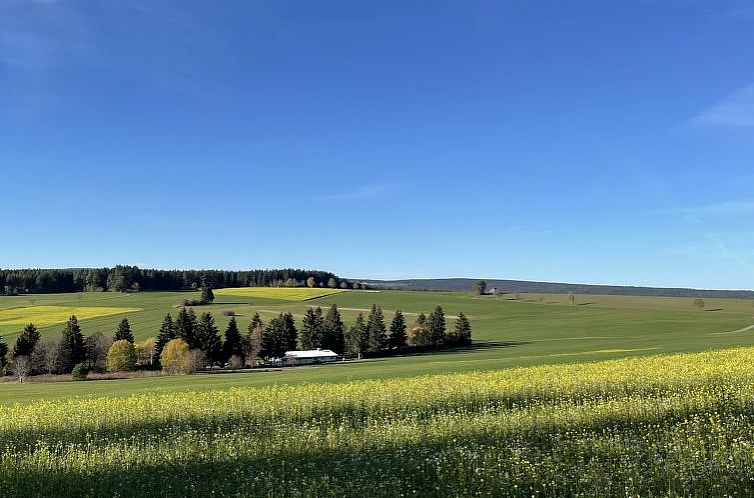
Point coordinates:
[(310, 357)]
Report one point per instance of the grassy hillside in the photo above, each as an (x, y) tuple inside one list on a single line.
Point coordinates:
[(467, 284), (536, 329)]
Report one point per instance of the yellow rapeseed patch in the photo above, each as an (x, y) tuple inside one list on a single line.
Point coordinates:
[(286, 293), (42, 316)]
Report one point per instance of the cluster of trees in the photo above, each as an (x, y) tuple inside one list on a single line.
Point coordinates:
[(190, 341), (124, 278), (73, 352)]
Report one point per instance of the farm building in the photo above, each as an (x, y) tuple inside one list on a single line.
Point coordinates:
[(309, 357)]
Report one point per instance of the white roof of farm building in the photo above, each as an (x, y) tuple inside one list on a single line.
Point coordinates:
[(312, 353)]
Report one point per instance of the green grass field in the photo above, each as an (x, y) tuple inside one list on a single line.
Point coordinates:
[(507, 333)]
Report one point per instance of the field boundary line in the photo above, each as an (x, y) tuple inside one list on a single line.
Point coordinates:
[(745, 329)]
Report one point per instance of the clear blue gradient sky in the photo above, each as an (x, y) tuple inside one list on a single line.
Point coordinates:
[(591, 141)]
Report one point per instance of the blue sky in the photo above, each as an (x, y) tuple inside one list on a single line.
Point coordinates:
[(590, 141)]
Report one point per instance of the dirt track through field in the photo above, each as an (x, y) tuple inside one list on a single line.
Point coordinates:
[(745, 329)]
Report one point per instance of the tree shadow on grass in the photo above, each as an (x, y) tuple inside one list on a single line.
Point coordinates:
[(475, 346)]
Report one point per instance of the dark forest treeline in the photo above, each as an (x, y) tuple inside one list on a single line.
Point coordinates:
[(123, 278)]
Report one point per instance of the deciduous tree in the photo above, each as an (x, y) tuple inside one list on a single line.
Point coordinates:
[(97, 346), (121, 357), (145, 351), (480, 287)]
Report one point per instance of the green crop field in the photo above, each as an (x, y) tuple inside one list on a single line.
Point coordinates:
[(537, 329)]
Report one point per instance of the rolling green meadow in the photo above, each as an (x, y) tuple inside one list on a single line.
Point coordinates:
[(533, 330), (608, 396)]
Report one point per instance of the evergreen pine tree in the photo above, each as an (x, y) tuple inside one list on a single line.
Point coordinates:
[(311, 329), (207, 295), (436, 326), (421, 320), (397, 338), (3, 355), (167, 333), (463, 329), (255, 323), (290, 335), (377, 331), (185, 327), (124, 332), (72, 346), (26, 341), (233, 345), (274, 339), (357, 338), (208, 338), (333, 330)]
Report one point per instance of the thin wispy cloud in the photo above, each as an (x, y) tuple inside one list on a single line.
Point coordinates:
[(366, 192), (39, 34), (737, 109)]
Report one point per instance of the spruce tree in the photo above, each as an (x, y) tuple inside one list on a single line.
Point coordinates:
[(357, 338), (166, 334), (3, 355), (185, 327), (72, 347), (26, 341), (397, 337), (124, 332), (463, 329), (274, 338), (255, 323), (436, 326), (421, 320), (208, 338), (290, 335), (233, 345), (207, 295), (311, 329), (333, 330), (377, 331)]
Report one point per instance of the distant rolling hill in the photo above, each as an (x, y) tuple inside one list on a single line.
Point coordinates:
[(508, 286)]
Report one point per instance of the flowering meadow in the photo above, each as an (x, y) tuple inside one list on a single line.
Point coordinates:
[(676, 425)]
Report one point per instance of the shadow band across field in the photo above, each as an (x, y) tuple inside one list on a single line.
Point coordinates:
[(454, 467)]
